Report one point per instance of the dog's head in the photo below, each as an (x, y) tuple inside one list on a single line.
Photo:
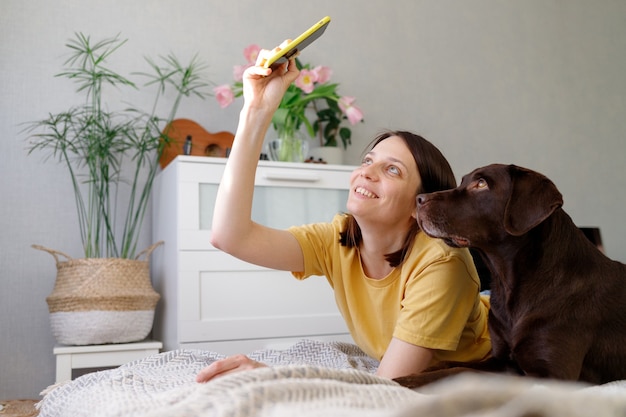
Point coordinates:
[(491, 203)]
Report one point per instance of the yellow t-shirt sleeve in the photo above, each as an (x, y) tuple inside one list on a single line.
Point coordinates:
[(436, 307), (318, 241)]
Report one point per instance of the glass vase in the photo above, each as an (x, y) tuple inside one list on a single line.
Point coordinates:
[(289, 147)]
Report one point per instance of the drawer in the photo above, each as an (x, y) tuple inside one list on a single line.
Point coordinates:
[(284, 174), (224, 298), (285, 194)]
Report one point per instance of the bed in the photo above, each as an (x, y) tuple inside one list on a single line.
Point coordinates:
[(316, 379)]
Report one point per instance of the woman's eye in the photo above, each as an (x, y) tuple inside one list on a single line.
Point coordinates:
[(366, 161), (394, 170)]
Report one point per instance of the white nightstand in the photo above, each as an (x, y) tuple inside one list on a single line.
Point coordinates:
[(100, 356)]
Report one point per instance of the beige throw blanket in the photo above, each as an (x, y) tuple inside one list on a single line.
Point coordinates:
[(314, 379)]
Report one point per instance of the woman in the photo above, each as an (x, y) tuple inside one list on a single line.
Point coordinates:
[(409, 300)]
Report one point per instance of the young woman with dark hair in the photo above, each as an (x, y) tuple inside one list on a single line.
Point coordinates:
[(408, 300)]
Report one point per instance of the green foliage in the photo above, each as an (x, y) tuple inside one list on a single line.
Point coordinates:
[(296, 108), (97, 146), (311, 101)]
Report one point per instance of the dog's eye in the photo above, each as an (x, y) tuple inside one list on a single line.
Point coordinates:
[(481, 183)]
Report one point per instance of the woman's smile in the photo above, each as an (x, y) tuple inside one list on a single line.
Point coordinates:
[(365, 192)]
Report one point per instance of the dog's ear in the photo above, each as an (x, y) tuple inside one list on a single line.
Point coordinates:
[(533, 199)]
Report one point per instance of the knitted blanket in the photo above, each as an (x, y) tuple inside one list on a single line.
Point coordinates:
[(313, 379)]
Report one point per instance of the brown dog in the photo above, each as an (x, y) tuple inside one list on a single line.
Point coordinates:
[(558, 304)]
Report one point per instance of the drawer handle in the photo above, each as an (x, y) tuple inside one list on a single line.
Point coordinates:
[(291, 176)]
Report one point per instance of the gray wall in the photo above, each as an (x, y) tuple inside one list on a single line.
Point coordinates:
[(539, 83)]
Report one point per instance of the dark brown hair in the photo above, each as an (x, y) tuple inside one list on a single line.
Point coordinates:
[(435, 173)]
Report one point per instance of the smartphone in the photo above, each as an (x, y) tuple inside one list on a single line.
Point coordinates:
[(298, 44)]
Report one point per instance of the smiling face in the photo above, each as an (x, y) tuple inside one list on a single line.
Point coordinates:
[(384, 187)]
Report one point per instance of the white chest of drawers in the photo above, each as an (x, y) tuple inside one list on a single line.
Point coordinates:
[(213, 301)]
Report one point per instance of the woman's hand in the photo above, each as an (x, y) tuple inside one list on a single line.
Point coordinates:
[(226, 366), (263, 87)]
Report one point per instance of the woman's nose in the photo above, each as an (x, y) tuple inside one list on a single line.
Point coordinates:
[(368, 171)]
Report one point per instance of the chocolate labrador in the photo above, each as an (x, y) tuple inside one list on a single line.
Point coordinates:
[(558, 304)]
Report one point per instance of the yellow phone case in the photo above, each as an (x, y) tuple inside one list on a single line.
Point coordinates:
[(299, 43)]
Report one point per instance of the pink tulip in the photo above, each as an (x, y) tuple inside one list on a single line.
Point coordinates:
[(238, 71), (251, 53), (323, 74), (224, 95), (354, 114), (306, 80)]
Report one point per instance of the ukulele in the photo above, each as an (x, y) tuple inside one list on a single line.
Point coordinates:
[(186, 137)]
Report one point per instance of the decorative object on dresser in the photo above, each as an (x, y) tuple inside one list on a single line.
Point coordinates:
[(328, 154), (216, 302), (187, 137), (100, 147), (312, 102), (290, 146)]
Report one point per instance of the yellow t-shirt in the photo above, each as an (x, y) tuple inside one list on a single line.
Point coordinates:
[(432, 300)]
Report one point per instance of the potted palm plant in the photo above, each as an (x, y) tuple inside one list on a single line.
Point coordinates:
[(112, 158)]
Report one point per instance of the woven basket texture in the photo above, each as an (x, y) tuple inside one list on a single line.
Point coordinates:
[(94, 296), (107, 284)]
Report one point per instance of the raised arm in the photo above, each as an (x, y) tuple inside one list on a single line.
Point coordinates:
[(233, 230)]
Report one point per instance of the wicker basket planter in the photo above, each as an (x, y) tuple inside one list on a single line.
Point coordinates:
[(101, 300)]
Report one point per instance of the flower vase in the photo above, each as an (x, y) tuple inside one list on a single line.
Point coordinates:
[(291, 147)]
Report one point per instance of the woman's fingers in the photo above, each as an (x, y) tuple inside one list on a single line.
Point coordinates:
[(258, 70), (283, 44), (265, 54), (217, 368), (226, 366)]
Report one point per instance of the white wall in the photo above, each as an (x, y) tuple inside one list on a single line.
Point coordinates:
[(539, 83)]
